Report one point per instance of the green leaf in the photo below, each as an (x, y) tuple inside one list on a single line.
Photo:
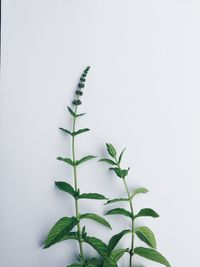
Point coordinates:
[(147, 212), (111, 150), (80, 131), (116, 200), (92, 196), (59, 230), (117, 254), (109, 262), (69, 236), (119, 211), (97, 244), (66, 160), (146, 235), (140, 190), (94, 262), (86, 158), (66, 188), (71, 111), (120, 156), (151, 254), (66, 131), (81, 114), (115, 239), (122, 173), (109, 161), (96, 218)]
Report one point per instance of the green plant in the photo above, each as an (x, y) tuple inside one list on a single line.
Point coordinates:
[(64, 227), (143, 232)]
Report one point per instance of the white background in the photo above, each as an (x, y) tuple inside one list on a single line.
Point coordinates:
[(142, 93)]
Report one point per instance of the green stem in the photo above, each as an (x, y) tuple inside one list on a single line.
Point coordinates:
[(76, 189), (132, 222)]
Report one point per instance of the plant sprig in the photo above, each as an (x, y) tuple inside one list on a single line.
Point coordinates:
[(64, 227), (143, 233)]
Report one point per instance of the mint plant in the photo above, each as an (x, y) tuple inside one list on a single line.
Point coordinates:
[(143, 232), (70, 227)]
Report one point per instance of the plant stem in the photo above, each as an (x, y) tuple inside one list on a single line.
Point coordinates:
[(132, 226), (76, 189), (132, 220)]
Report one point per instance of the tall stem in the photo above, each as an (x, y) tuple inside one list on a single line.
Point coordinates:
[(132, 222), (76, 189)]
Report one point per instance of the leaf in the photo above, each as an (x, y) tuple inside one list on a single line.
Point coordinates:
[(109, 262), (80, 114), (66, 160), (120, 156), (111, 150), (109, 161), (151, 254), (96, 218), (140, 190), (122, 173), (116, 200), (66, 188), (92, 196), (147, 212), (71, 111), (66, 131), (59, 230), (115, 239), (117, 254), (146, 235), (119, 211), (86, 158), (94, 262), (80, 131), (97, 244)]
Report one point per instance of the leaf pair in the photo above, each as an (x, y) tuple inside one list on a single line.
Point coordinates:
[(63, 186), (77, 162), (76, 132)]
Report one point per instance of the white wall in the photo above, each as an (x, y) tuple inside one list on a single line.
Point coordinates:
[(142, 93)]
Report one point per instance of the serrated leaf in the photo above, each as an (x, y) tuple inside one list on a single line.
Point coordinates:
[(96, 218), (66, 160), (117, 254), (71, 111), (110, 201), (147, 212), (59, 230), (140, 190), (146, 235), (97, 244), (92, 196), (122, 173), (151, 254), (109, 262), (115, 239), (111, 150), (109, 161), (119, 211), (84, 159), (65, 131), (80, 131), (120, 156), (66, 188)]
